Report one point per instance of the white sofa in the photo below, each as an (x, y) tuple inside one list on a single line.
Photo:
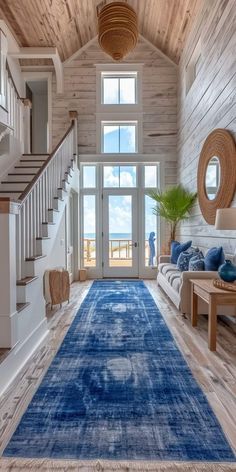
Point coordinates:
[(177, 286)]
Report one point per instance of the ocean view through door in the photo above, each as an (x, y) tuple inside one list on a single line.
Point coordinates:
[(120, 235)]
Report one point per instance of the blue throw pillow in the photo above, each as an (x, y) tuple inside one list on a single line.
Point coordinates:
[(214, 258), (183, 260), (197, 262), (177, 248)]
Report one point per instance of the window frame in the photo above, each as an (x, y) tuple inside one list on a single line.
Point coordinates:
[(119, 123), (119, 75), (117, 70)]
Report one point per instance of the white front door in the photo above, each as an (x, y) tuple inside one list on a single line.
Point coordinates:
[(120, 233)]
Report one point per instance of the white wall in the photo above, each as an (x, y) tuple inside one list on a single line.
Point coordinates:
[(209, 104)]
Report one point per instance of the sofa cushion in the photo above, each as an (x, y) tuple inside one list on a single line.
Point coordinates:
[(214, 258), (176, 284), (172, 273), (165, 267), (177, 248)]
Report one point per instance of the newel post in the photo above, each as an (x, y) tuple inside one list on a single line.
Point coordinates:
[(73, 114), (8, 312), (27, 107)]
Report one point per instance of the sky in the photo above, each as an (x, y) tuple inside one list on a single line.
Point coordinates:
[(119, 205)]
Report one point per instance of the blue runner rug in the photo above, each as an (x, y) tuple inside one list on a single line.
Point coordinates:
[(119, 389)]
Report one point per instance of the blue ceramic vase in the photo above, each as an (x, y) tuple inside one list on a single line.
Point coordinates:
[(227, 271)]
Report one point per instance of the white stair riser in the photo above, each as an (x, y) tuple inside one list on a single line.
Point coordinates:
[(31, 164), (14, 196), (61, 193), (15, 187), (34, 158), (19, 178), (33, 268), (57, 204), (27, 293), (21, 170), (42, 246)]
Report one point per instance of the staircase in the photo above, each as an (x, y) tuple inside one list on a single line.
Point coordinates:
[(37, 188)]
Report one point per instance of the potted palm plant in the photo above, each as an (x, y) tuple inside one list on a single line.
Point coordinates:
[(173, 204)]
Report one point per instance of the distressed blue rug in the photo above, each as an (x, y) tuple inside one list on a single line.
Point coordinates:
[(119, 389)]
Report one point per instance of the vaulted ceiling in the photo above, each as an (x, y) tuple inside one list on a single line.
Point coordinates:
[(70, 24)]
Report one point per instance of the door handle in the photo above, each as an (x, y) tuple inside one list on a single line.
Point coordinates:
[(134, 244)]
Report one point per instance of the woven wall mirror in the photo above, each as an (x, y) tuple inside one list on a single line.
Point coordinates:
[(216, 179)]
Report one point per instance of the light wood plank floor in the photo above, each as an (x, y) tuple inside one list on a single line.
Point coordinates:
[(215, 372)]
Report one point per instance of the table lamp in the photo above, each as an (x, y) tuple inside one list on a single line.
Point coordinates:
[(226, 219)]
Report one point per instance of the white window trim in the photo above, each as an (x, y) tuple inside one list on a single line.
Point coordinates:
[(119, 118), (115, 69)]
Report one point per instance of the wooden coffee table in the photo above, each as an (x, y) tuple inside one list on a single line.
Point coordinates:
[(205, 289)]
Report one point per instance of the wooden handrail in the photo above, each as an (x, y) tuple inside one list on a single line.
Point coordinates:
[(29, 187)]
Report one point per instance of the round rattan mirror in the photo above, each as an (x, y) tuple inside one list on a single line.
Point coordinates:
[(216, 179)]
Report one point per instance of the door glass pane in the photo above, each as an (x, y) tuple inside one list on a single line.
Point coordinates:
[(89, 176), (111, 176), (127, 138), (89, 230), (150, 234), (120, 230), (127, 90), (150, 176), (127, 176), (110, 90), (111, 138)]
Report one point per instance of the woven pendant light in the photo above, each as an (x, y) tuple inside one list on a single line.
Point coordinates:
[(117, 29)]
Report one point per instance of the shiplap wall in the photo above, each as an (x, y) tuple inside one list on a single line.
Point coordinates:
[(159, 102), (209, 104)]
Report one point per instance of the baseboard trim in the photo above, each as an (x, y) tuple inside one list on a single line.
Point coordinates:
[(20, 354)]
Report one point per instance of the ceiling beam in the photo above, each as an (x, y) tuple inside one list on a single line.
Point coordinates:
[(44, 53)]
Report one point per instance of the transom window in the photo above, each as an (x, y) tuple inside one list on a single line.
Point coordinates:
[(119, 176), (119, 88), (119, 137)]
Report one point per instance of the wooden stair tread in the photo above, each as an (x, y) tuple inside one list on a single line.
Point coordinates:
[(27, 167), (26, 281), (48, 223), (53, 209), (35, 258), (21, 306), (17, 182), (59, 198), (41, 238), (11, 191), (32, 160), (36, 154), (18, 173)]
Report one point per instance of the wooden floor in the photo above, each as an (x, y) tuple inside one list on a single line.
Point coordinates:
[(215, 372)]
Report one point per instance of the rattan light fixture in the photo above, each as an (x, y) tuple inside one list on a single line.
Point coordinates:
[(117, 29)]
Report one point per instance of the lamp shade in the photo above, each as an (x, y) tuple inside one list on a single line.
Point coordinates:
[(225, 218)]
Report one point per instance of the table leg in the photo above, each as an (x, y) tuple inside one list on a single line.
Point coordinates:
[(212, 324), (194, 306)]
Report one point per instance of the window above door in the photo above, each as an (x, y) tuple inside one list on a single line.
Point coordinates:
[(119, 88)]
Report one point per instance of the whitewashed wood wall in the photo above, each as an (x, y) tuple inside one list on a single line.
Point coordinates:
[(209, 104), (159, 102)]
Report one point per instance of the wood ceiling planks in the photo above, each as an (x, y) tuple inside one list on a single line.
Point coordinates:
[(70, 24)]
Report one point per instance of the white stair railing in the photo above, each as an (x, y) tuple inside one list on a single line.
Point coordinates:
[(38, 198), (15, 108)]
